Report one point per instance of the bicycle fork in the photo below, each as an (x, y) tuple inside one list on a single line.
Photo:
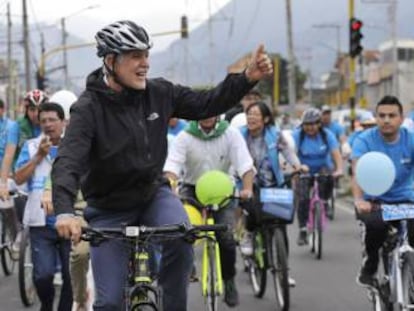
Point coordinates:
[(210, 243)]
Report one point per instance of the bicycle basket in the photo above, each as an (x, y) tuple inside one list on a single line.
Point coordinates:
[(278, 203), (326, 185)]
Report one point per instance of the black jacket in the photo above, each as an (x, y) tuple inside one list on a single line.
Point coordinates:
[(116, 143)]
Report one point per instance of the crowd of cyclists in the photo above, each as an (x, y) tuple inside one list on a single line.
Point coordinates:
[(113, 147)]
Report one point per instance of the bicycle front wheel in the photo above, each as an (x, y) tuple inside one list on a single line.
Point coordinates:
[(280, 269), (7, 261), (212, 278), (317, 230), (257, 265), (26, 286), (408, 281)]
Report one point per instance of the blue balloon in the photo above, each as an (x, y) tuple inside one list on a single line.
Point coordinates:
[(375, 173)]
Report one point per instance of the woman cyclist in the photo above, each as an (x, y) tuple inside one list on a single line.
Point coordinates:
[(318, 149), (264, 142)]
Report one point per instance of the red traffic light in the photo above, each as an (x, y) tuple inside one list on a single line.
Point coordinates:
[(356, 24)]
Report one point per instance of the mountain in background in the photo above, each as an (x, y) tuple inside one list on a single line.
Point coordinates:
[(241, 25), (236, 30)]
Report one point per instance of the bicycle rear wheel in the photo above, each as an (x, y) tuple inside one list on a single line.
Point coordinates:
[(26, 286), (279, 270), (257, 265), (6, 255)]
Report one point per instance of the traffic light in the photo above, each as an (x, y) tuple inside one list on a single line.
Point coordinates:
[(355, 36), (184, 27)]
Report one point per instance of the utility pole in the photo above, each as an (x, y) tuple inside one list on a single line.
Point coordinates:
[(291, 56), (210, 43), (26, 48), (9, 61), (65, 54), (393, 21)]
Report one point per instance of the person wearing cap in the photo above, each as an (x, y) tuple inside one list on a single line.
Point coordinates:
[(336, 129), (366, 122), (118, 128)]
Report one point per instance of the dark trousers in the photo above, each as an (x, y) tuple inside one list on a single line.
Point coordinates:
[(375, 235), (110, 259), (47, 250)]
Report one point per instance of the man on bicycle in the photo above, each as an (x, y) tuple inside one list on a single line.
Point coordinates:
[(116, 145), (33, 166), (211, 144), (316, 147), (390, 138)]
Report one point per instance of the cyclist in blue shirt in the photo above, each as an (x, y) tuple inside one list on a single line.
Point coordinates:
[(316, 147), (398, 144), (176, 125), (9, 136)]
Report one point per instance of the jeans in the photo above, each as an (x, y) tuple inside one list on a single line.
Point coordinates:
[(110, 259), (47, 248), (225, 239)]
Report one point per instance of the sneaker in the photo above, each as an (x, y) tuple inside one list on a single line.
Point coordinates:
[(365, 279), (57, 279), (231, 295), (303, 237), (291, 282), (15, 246), (246, 244), (193, 276)]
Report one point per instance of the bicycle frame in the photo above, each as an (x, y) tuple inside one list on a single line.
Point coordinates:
[(315, 198)]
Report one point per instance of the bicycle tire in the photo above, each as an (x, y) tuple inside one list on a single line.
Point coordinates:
[(257, 265), (280, 270), (332, 206), (408, 279), (317, 222), (211, 298), (7, 261), (26, 287)]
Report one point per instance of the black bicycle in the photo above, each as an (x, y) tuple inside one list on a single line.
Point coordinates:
[(142, 293)]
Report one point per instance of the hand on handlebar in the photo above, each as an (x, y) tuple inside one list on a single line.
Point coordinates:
[(362, 206), (69, 227), (246, 194)]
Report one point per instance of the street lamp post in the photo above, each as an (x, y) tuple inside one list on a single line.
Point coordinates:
[(64, 36)]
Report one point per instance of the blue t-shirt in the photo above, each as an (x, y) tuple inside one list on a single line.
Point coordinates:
[(352, 137), (402, 155), (181, 124), (9, 134), (335, 128), (314, 152)]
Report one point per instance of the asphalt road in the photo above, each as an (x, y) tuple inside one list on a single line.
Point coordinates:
[(322, 285)]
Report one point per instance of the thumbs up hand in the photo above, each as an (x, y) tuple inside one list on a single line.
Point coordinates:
[(259, 66)]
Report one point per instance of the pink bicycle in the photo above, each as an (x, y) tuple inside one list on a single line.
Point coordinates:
[(317, 218)]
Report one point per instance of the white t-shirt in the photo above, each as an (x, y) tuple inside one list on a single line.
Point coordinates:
[(195, 156)]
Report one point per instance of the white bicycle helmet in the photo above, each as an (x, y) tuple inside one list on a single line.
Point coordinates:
[(36, 97), (120, 37)]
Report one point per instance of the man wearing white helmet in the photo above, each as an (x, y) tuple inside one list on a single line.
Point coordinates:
[(117, 142), (66, 99)]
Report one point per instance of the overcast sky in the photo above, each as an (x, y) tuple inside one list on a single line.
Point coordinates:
[(155, 15)]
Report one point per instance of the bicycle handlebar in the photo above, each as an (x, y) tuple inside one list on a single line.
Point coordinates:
[(98, 235)]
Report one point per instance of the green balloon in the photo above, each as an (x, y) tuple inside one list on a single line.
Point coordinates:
[(213, 187)]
